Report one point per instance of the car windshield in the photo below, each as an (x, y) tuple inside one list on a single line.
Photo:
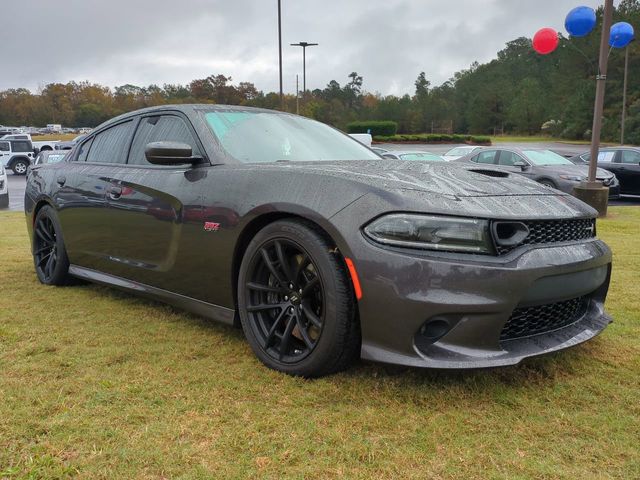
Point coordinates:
[(421, 157), (267, 137), (460, 151), (543, 158)]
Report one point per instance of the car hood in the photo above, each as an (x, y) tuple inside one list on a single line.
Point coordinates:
[(582, 170), (451, 180)]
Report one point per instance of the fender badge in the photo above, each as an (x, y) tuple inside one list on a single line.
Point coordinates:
[(211, 227)]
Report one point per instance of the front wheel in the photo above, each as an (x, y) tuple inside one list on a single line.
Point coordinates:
[(548, 183), (20, 167), (295, 301), (49, 254)]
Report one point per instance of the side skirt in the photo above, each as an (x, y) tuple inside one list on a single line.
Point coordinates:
[(215, 312)]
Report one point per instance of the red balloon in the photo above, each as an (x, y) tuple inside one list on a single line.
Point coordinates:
[(545, 41)]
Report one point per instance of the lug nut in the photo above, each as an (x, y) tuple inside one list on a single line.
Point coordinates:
[(300, 291), (286, 297), (291, 309)]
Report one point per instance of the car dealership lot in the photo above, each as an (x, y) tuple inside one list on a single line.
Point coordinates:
[(17, 183)]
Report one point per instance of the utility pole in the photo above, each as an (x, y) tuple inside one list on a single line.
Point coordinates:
[(591, 191), (304, 46), (601, 79), (297, 96), (624, 94), (280, 53)]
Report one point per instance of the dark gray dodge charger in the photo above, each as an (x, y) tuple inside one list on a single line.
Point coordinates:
[(318, 248)]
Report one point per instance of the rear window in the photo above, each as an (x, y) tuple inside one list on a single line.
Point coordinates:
[(111, 145), (22, 146)]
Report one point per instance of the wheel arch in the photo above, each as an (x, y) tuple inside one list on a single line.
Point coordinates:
[(261, 221), (14, 159)]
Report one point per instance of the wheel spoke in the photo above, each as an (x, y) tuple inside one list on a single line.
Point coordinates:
[(284, 266), (304, 261), (45, 257), (271, 266), (44, 236), (309, 286), (48, 268), (263, 288), (263, 306), (286, 336), (312, 317), (304, 333), (42, 249), (274, 327)]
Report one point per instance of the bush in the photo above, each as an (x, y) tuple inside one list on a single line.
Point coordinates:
[(434, 138), (375, 127)]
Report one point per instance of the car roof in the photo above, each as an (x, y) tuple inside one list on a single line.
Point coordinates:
[(405, 152)]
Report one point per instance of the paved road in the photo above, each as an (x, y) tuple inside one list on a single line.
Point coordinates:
[(17, 183)]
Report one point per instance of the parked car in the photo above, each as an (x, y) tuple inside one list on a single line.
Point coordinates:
[(457, 152), (378, 150), (37, 146), (319, 249), (16, 155), (413, 156), (624, 162), (70, 144), (543, 166), (4, 188), (50, 156)]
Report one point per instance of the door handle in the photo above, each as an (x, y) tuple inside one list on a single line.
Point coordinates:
[(61, 180), (115, 192)]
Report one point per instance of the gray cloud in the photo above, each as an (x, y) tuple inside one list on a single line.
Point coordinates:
[(167, 41)]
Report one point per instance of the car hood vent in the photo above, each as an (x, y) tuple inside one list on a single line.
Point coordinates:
[(490, 173)]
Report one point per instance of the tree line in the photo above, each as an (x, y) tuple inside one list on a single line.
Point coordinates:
[(518, 92)]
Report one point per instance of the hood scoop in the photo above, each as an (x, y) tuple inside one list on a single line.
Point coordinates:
[(490, 173)]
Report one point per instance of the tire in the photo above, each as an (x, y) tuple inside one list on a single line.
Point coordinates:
[(4, 200), (49, 254), (299, 318), (547, 183), (19, 167)]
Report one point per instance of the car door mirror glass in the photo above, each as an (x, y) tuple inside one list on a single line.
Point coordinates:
[(169, 153)]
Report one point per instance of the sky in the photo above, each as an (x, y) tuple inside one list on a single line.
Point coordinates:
[(388, 42)]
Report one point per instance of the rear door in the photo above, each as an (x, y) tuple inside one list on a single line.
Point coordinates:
[(628, 171), (86, 222), (155, 208)]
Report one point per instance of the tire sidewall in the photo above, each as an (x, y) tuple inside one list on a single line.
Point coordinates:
[(309, 242), (16, 163), (61, 270)]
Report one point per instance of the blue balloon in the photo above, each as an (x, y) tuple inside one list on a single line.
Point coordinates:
[(580, 21), (621, 35)]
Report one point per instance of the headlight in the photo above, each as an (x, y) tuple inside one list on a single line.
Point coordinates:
[(572, 178), (431, 232)]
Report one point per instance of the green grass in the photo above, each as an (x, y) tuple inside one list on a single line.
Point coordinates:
[(63, 137), (99, 384)]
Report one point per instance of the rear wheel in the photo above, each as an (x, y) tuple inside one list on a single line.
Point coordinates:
[(20, 167), (49, 254), (295, 301)]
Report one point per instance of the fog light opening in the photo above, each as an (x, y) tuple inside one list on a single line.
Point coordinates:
[(435, 329)]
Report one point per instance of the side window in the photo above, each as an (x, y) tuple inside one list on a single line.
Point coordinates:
[(83, 151), (22, 146), (165, 128), (110, 146), (4, 147), (605, 156), (509, 159), (486, 157), (630, 156)]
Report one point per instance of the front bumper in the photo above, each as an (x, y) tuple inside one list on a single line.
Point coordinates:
[(473, 297)]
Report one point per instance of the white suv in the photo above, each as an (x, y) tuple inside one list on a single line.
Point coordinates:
[(16, 155), (4, 188)]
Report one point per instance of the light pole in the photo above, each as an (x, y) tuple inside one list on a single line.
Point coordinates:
[(304, 46), (280, 54), (624, 94)]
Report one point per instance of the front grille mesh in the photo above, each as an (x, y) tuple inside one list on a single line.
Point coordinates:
[(553, 231), (528, 321)]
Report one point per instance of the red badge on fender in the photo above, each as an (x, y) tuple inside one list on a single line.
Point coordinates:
[(211, 227)]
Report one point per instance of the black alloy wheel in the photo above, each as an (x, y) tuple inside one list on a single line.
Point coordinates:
[(296, 303), (285, 301), (49, 255)]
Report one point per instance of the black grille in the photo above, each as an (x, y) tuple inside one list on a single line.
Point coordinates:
[(552, 231), (528, 321)]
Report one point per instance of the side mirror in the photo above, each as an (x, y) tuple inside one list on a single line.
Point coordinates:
[(523, 165), (169, 153)]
